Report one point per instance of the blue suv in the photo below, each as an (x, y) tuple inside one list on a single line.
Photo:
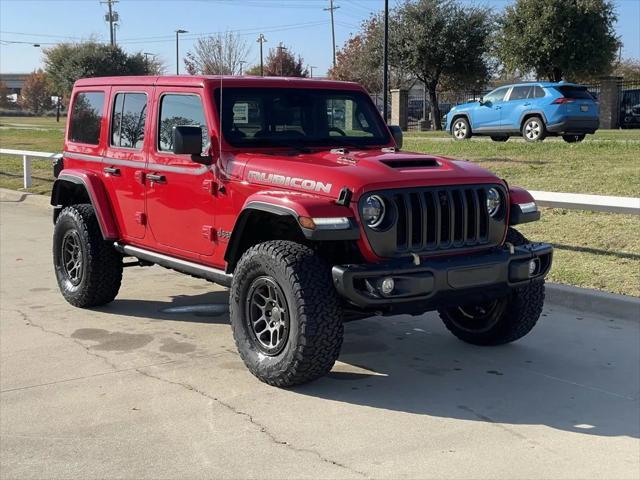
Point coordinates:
[(533, 110)]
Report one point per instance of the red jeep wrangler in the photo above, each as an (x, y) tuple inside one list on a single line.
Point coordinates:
[(295, 194)]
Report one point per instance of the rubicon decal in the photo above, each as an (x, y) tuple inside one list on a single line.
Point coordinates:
[(294, 182)]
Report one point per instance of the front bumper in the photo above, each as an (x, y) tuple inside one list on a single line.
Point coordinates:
[(575, 125), (442, 281)]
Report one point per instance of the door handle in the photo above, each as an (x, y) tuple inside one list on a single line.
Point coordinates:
[(527, 104), (498, 108), (154, 177), (112, 171)]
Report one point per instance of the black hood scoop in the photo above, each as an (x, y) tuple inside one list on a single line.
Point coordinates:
[(406, 163)]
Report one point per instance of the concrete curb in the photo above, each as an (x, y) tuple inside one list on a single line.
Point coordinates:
[(15, 196), (594, 301)]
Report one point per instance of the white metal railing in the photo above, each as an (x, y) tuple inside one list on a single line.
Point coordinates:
[(27, 155), (570, 201)]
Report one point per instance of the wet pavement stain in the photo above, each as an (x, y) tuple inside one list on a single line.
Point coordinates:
[(112, 341), (173, 346)]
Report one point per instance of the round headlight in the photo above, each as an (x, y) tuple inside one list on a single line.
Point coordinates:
[(493, 202), (373, 211)]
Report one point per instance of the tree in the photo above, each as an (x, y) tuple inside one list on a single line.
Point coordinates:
[(281, 62), (4, 96), (218, 55), (437, 40), (67, 62), (360, 59), (629, 69), (36, 94), (558, 39), (255, 70)]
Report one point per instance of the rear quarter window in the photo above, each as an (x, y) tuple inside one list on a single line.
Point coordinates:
[(86, 118)]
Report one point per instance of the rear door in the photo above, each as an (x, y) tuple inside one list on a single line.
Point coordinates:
[(125, 157), (180, 202), (516, 105)]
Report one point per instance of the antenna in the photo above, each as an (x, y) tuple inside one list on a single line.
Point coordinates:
[(220, 116)]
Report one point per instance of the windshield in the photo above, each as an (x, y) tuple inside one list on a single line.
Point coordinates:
[(267, 117)]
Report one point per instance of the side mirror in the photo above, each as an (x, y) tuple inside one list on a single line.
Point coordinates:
[(187, 140), (396, 131), (481, 101)]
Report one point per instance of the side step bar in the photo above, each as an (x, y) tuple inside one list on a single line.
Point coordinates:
[(184, 266)]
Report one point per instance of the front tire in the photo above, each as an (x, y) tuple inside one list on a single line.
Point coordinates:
[(534, 130), (500, 321), (285, 313), (88, 269), (573, 138), (461, 130)]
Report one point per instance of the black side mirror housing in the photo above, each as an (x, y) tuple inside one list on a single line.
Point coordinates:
[(396, 131), (187, 140)]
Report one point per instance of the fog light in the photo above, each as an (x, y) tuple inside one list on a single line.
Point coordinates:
[(533, 266), (387, 286)]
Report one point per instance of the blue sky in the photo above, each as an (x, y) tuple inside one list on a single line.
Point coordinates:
[(148, 25)]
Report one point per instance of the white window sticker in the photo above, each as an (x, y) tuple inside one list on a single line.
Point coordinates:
[(241, 113)]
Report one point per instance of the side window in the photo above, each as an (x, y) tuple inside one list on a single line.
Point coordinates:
[(129, 116), (520, 93), (178, 110), (86, 118), (538, 92), (496, 95)]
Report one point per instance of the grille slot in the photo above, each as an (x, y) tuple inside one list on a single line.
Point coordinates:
[(440, 219)]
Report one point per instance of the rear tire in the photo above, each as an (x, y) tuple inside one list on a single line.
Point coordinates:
[(573, 138), (499, 139), (285, 313), (500, 321), (88, 269), (460, 129), (534, 130)]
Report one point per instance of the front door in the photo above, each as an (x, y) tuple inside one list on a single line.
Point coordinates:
[(487, 115), (124, 161), (180, 202)]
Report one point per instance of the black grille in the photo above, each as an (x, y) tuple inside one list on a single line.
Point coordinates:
[(434, 219)]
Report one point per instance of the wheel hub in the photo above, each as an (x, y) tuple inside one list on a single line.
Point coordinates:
[(267, 316), (72, 257)]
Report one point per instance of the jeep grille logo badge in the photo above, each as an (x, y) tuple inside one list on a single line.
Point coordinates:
[(295, 182)]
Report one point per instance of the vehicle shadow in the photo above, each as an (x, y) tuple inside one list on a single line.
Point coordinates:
[(582, 380), (392, 366), (209, 307)]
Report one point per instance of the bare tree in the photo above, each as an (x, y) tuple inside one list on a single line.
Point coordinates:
[(217, 55)]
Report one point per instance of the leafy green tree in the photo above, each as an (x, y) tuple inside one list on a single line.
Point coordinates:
[(67, 62), (558, 39), (438, 40), (36, 95)]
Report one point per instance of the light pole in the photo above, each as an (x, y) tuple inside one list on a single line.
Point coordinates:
[(385, 62), (261, 40), (178, 32), (311, 67), (242, 62), (281, 49)]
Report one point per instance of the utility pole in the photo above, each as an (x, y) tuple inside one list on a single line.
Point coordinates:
[(178, 32), (111, 17), (261, 40), (385, 62), (333, 28), (242, 62), (311, 67), (281, 48)]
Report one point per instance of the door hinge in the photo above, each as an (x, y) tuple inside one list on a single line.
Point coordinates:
[(139, 176), (141, 218), (209, 232), (210, 186)]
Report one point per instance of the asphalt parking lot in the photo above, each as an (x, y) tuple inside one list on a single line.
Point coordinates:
[(144, 388)]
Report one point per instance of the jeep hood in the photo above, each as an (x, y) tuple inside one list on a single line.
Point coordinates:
[(327, 172)]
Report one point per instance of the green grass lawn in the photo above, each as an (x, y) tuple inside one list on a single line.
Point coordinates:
[(596, 250)]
